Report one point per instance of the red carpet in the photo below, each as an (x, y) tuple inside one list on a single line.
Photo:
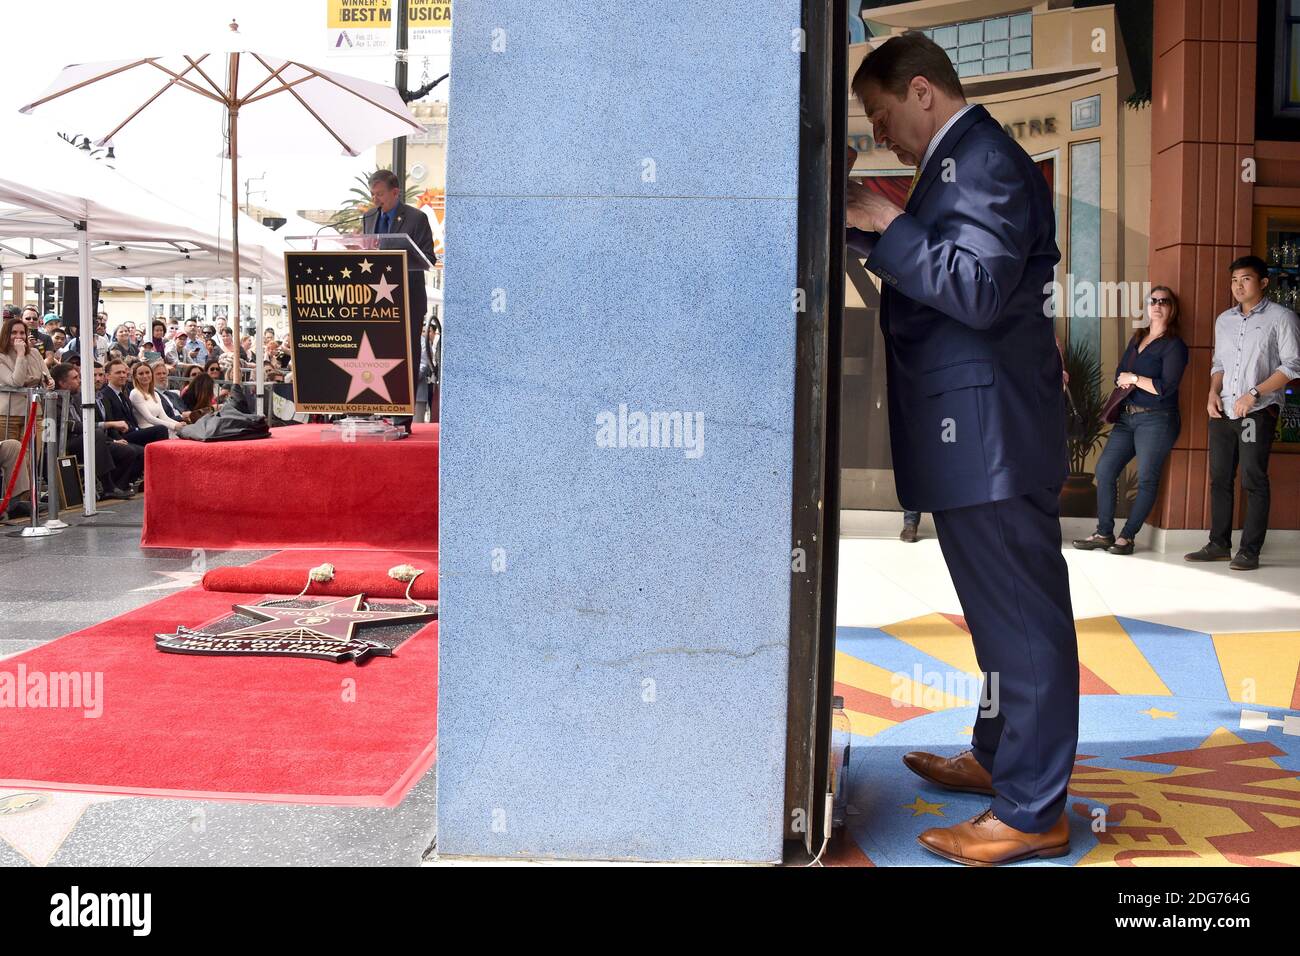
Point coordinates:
[(366, 573), (293, 490), (236, 728)]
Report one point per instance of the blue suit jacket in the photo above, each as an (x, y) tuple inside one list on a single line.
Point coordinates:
[(976, 409)]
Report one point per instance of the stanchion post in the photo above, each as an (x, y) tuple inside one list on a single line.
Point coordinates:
[(53, 434), (259, 346), (86, 331), (34, 530)]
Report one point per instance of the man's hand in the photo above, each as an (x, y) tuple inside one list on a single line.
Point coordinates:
[(867, 210), (1243, 405), (1215, 405)]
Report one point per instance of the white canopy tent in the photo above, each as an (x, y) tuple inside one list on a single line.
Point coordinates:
[(46, 194), (62, 213)]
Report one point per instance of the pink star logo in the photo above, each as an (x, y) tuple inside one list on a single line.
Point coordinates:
[(383, 289), (367, 371)]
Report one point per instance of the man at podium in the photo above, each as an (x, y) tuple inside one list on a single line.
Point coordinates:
[(390, 215)]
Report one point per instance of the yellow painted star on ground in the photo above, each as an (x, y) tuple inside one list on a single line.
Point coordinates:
[(366, 265), (1155, 713), (346, 273), (920, 807)]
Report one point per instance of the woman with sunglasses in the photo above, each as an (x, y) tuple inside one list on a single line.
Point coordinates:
[(1148, 424)]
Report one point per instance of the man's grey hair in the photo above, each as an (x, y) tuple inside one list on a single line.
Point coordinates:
[(384, 177)]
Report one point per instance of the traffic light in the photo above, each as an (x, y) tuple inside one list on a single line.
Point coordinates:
[(48, 288)]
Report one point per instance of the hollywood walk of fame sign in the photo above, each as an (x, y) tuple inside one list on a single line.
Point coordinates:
[(348, 324), (325, 631)]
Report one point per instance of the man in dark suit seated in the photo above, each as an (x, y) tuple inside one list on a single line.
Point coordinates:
[(977, 428), (118, 463), (113, 409), (391, 215)]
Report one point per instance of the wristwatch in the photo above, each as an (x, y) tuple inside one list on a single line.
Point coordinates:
[(1255, 392)]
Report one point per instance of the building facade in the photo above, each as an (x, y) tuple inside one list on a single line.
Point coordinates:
[(1170, 134), (1059, 79)]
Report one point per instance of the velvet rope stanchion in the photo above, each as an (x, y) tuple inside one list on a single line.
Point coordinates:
[(22, 454)]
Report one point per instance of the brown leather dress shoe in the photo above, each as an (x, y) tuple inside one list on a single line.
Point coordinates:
[(985, 840), (962, 772)]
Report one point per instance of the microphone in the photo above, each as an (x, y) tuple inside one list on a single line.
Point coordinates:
[(331, 225)]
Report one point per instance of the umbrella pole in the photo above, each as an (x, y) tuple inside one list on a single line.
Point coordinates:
[(232, 105)]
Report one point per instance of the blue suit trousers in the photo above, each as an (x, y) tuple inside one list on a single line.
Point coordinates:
[(1010, 575)]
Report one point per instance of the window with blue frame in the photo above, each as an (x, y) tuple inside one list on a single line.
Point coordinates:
[(994, 45)]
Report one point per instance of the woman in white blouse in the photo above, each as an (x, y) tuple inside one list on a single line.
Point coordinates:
[(146, 403)]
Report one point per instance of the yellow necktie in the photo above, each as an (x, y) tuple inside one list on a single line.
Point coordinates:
[(915, 176)]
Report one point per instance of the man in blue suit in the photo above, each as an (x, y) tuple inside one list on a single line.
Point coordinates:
[(977, 428)]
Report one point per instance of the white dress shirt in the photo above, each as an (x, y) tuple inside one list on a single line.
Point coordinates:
[(938, 136)]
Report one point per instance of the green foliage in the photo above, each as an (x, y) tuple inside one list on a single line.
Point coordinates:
[(1087, 431)]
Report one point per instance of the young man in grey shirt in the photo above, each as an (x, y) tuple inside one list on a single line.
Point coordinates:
[(1256, 352)]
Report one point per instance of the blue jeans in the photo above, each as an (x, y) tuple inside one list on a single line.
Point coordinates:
[(911, 517), (1149, 435)]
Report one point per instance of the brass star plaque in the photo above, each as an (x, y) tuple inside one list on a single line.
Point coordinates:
[(325, 631)]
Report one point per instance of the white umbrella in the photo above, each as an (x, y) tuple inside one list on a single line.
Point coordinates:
[(277, 103)]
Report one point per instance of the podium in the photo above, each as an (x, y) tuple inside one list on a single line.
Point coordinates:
[(356, 309)]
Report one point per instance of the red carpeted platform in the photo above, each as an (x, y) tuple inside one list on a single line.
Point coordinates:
[(232, 728), (293, 490)]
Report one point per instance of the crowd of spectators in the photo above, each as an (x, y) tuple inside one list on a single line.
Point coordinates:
[(149, 383)]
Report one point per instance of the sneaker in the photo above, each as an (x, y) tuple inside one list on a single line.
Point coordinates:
[(1211, 552), (1244, 562), (1095, 542), (908, 534)]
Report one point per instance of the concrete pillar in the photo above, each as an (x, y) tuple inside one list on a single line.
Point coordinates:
[(622, 204)]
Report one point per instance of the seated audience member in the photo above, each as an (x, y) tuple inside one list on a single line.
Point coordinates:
[(199, 397), (146, 403), (171, 400), (116, 412), (118, 463)]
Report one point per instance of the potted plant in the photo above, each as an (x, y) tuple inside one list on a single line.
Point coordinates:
[(1085, 432)]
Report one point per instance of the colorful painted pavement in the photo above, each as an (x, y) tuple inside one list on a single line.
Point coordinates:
[(1189, 743)]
